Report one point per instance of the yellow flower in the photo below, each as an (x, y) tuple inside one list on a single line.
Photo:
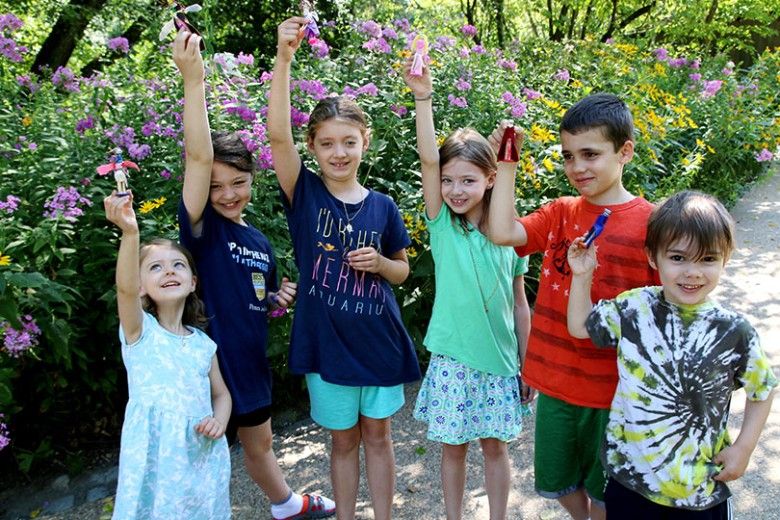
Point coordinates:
[(660, 69), (4, 259), (576, 84), (552, 104), (541, 135), (26, 120), (626, 48), (404, 53), (149, 205), (411, 252), (548, 164)]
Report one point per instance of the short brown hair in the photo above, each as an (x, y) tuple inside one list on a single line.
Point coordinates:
[(194, 309), (231, 150), (695, 217)]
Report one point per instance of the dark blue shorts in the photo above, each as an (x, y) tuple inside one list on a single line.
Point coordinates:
[(624, 503)]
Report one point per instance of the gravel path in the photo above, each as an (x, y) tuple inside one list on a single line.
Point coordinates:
[(749, 286)]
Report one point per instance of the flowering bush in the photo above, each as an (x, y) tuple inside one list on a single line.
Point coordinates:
[(698, 126)]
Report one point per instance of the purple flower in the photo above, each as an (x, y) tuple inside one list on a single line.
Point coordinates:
[(150, 127), (10, 205), (165, 174), (139, 152), (661, 54), (402, 24), (320, 49), (298, 118), (9, 22), (389, 33), (695, 64), (119, 44), (462, 84), (764, 156), (265, 158), (516, 107), (266, 76), (378, 45), (369, 89), (398, 110), (63, 77), (66, 203), (25, 81), (11, 50), (507, 64), (478, 49), (16, 341), (609, 41), (695, 77), (710, 88), (242, 111), (464, 52), (245, 59), (82, 125), (371, 28), (32, 146), (123, 138), (458, 101), (312, 87), (562, 75), (677, 63), (468, 30), (443, 43), (531, 94), (5, 440)]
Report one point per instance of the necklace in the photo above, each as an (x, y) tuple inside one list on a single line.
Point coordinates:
[(348, 227), (485, 301)]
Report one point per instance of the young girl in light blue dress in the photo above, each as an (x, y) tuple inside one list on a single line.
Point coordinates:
[(173, 462), (480, 320)]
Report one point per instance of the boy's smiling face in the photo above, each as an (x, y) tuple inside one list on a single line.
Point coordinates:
[(594, 168), (687, 280)]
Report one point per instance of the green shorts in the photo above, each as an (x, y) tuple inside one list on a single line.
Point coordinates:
[(338, 407), (568, 447)]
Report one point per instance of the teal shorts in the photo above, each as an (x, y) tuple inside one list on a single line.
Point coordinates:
[(338, 407), (567, 450)]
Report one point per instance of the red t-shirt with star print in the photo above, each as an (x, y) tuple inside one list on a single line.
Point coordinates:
[(574, 370)]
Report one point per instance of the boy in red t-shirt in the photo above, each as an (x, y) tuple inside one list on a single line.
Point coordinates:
[(575, 380)]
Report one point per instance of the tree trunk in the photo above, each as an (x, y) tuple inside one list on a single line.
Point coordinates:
[(498, 5), (612, 17), (711, 13), (584, 28), (570, 32), (549, 19), (633, 16), (66, 33)]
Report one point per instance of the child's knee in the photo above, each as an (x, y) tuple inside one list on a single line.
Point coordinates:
[(493, 448), (343, 441)]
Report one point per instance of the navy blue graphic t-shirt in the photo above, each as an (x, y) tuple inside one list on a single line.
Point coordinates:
[(236, 271), (347, 325)]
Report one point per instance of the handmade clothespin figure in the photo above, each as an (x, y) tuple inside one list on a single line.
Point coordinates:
[(507, 152), (310, 30), (119, 166), (180, 21), (420, 59), (596, 229)]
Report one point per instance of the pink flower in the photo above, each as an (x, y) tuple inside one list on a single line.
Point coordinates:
[(399, 110), (507, 64), (10, 205), (462, 84), (378, 45), (531, 94), (165, 174), (464, 52), (710, 88), (245, 59), (458, 101), (266, 76), (478, 49), (371, 28), (320, 49), (5, 440), (562, 75), (139, 152), (695, 77), (63, 77), (661, 54)]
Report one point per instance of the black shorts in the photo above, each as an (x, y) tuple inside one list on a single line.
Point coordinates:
[(246, 420), (623, 503)]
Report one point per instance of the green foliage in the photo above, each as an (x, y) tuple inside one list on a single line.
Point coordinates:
[(69, 389)]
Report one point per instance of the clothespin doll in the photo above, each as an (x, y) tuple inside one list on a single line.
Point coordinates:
[(310, 30), (420, 59), (180, 20), (119, 166)]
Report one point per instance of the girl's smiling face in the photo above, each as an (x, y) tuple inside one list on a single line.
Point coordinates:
[(230, 190), (338, 145), (463, 187), (166, 275)]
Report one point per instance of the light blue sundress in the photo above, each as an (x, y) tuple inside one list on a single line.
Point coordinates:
[(166, 469)]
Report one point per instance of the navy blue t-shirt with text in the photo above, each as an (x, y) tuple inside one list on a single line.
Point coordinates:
[(347, 325), (236, 271)]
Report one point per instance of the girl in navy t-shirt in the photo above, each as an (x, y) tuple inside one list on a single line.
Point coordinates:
[(350, 245)]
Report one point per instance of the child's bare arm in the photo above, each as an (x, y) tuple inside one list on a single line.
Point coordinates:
[(735, 458), (221, 403), (119, 210), (287, 162), (503, 229), (422, 89), (197, 135), (582, 262), (522, 319)]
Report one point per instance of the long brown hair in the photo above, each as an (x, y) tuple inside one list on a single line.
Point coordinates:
[(341, 107), (194, 310), (469, 145)]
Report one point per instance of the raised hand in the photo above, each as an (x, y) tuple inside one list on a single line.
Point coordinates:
[(497, 135), (582, 260), (289, 36), (186, 55), (422, 85), (119, 210)]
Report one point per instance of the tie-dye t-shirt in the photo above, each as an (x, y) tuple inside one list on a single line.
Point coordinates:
[(677, 366)]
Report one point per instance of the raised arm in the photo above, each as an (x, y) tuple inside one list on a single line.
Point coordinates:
[(287, 162), (503, 228), (199, 154), (119, 210), (422, 89), (582, 262)]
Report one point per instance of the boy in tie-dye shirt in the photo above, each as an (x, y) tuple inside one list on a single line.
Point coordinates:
[(680, 356)]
